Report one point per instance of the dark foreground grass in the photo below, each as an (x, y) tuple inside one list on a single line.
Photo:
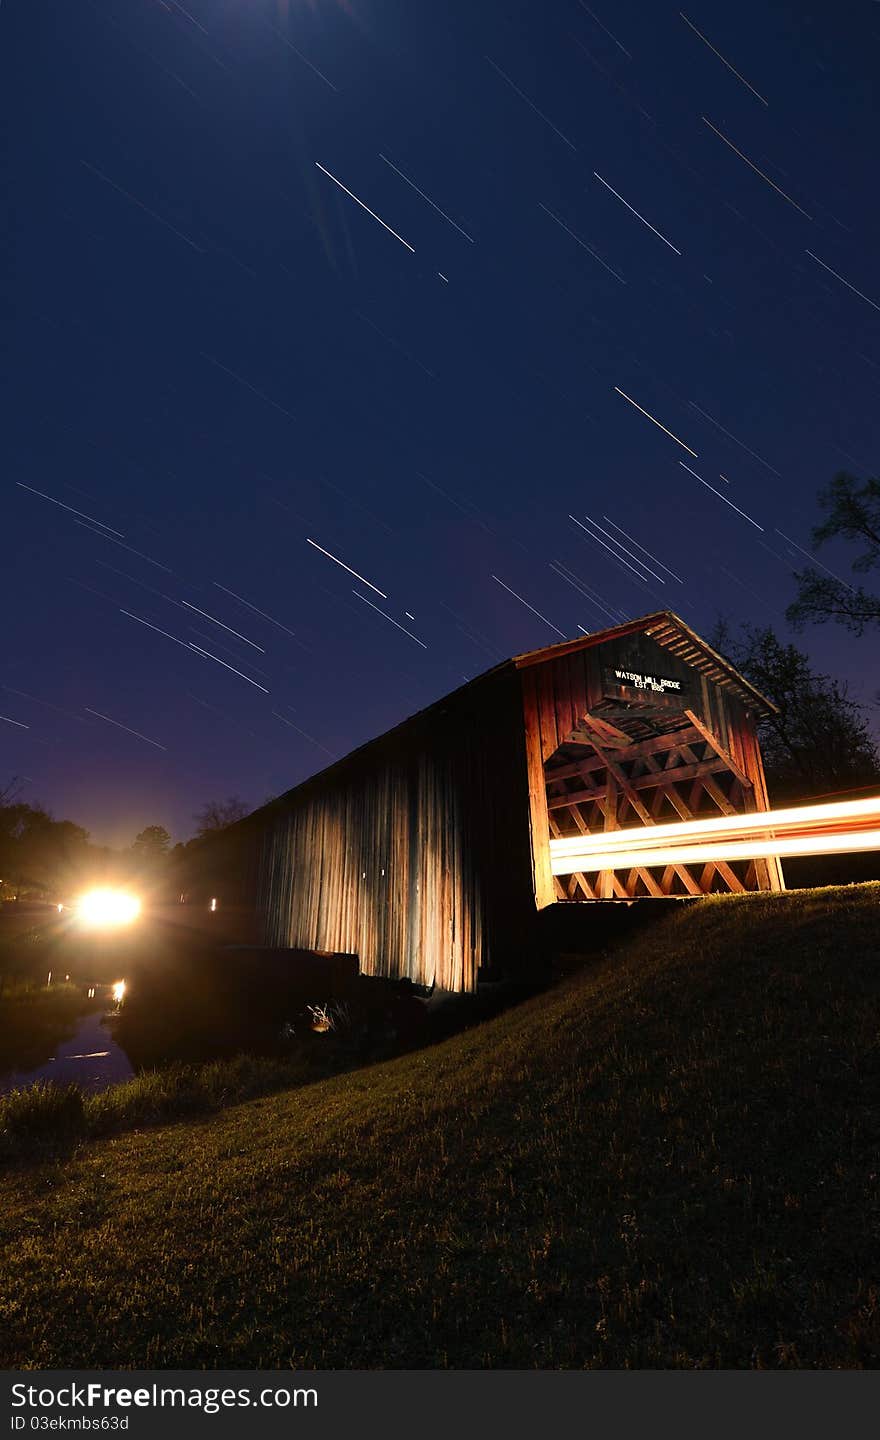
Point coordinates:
[(670, 1160), (47, 1121)]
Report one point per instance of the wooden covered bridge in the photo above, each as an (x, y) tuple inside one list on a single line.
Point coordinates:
[(427, 851)]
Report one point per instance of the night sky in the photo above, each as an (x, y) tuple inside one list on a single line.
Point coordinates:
[(214, 355)]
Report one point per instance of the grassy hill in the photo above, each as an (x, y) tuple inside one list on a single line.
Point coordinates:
[(671, 1159)]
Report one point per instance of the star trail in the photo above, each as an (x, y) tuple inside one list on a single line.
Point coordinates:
[(270, 267)]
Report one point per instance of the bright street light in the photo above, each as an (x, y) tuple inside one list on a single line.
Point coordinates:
[(104, 909)]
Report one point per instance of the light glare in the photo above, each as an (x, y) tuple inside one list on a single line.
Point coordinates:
[(105, 908)]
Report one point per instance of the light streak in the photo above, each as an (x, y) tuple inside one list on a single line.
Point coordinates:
[(583, 244), (755, 168), (262, 613), (21, 485), (721, 497), (529, 607), (240, 673), (120, 726), (605, 28), (236, 633), (305, 734), (849, 843), (396, 345), (130, 548), (267, 399), (643, 550), (706, 416), (161, 594), (141, 206), (577, 584), (841, 279), (429, 200), (656, 422), (190, 18), (722, 59), (81, 585), (223, 716), (49, 706), (228, 650), (814, 560), (836, 828), (791, 817), (531, 104), (405, 243), (342, 563), (636, 213), (390, 618), (20, 723), (314, 69), (624, 548), (608, 548), (158, 631)]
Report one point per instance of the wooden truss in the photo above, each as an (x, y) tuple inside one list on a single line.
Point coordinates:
[(602, 779)]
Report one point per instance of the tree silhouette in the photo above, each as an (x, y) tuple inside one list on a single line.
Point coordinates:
[(152, 843), (852, 513), (818, 743), (39, 856), (218, 815)]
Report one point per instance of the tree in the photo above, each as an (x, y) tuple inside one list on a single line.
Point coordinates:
[(40, 856), (152, 843), (9, 792), (218, 815), (818, 743), (852, 513)]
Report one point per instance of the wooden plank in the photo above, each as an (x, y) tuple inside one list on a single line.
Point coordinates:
[(655, 745), (715, 792), (769, 870), (716, 745), (615, 769), (605, 878), (543, 680), (539, 824), (609, 734), (562, 695), (662, 779), (650, 884), (647, 819)]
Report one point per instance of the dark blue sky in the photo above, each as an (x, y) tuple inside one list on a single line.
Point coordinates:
[(215, 354)]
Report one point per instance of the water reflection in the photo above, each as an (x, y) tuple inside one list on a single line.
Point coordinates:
[(90, 1058)]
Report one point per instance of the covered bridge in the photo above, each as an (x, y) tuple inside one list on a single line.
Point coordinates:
[(427, 851)]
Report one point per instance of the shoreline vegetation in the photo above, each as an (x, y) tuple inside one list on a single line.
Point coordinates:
[(47, 1120), (667, 1160)]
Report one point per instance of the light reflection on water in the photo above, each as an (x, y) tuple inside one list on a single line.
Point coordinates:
[(90, 1058)]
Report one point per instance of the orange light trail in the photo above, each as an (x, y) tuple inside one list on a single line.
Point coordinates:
[(836, 828)]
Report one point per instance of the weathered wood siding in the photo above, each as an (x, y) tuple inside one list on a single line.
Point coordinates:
[(413, 852)]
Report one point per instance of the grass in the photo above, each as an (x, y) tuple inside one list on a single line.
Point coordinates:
[(45, 1120), (671, 1159)]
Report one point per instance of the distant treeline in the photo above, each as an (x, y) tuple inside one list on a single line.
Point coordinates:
[(42, 858)]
